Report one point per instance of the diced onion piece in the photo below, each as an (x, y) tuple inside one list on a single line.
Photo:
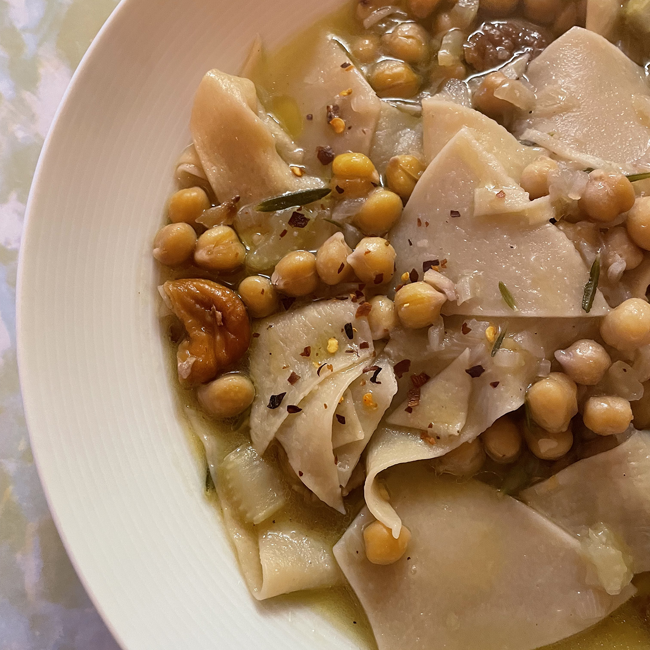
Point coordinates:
[(451, 48), (609, 558), (516, 93)]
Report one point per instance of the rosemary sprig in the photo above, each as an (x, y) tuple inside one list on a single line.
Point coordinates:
[(507, 296), (293, 199), (592, 286), (638, 177), (499, 341)]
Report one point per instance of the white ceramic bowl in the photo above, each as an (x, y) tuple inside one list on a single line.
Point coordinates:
[(120, 475)]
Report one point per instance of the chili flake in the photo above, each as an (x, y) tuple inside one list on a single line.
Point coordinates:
[(454, 214), (338, 125), (275, 401), (332, 346), (340, 418), (494, 384), (373, 379), (293, 378), (465, 328), (298, 220), (325, 155), (369, 401), (292, 408), (420, 380), (349, 330), (379, 278), (475, 371), (306, 352), (346, 65), (283, 233), (363, 309), (402, 367), (364, 345), (413, 275)]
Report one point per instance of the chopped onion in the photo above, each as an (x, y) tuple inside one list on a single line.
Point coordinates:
[(616, 268), (442, 283), (621, 379), (451, 48), (543, 368), (610, 560), (464, 12), (516, 68), (436, 334), (466, 287), (516, 93), (456, 91)]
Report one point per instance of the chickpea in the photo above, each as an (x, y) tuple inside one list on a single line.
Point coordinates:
[(295, 274), (542, 11), (373, 260), (548, 445), (418, 305), (332, 260), (188, 205), (379, 212), (536, 177), (485, 101), (422, 8), (627, 327), (227, 396), (607, 415), (585, 362), (502, 441), (259, 296), (382, 318), (402, 174), (381, 547), (607, 195), (392, 78), (553, 401), (638, 223), (220, 250), (409, 42), (464, 461), (366, 48), (355, 165), (499, 7), (174, 244), (618, 243)]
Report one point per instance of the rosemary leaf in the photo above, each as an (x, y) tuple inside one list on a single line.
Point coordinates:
[(499, 342), (527, 412), (592, 286), (209, 483), (293, 199), (638, 177), (507, 296)]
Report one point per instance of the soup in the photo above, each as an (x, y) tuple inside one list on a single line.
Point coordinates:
[(405, 285)]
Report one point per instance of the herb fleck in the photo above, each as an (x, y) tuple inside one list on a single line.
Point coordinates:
[(499, 341), (293, 199), (507, 296), (638, 177), (592, 286)]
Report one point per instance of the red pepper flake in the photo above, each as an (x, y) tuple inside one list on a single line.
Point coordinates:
[(340, 190), (454, 214), (465, 328), (293, 378), (256, 335), (340, 418), (341, 268), (379, 278), (410, 242), (370, 369), (501, 194), (283, 233), (414, 276), (363, 309), (346, 65), (349, 331), (287, 302), (330, 367), (364, 345), (408, 409), (275, 401), (298, 220), (299, 473), (443, 264), (426, 224), (419, 380), (336, 462), (475, 371), (373, 379), (419, 222), (414, 397), (359, 292), (333, 111), (402, 367), (292, 408), (306, 352), (325, 155), (430, 440), (494, 384), (429, 264), (310, 117)]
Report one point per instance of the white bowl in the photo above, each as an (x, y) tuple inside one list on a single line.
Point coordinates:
[(123, 482)]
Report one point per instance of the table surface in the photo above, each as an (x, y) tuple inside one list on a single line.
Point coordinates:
[(43, 606)]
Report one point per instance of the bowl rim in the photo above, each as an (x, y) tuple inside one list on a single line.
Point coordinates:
[(28, 235)]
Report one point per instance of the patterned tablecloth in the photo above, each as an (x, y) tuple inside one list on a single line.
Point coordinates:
[(42, 603)]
